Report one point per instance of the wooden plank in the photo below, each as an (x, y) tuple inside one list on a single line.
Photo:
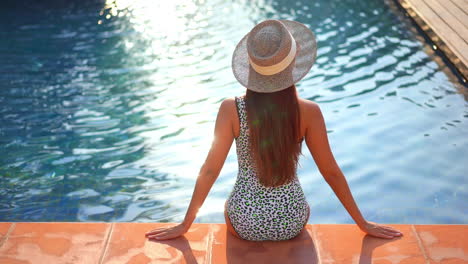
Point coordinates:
[(448, 18), (456, 12), (456, 44), (462, 4)]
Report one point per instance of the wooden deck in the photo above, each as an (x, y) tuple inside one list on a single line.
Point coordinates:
[(118, 243), (446, 23)]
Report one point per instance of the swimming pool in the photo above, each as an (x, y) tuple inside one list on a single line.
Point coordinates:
[(107, 110)]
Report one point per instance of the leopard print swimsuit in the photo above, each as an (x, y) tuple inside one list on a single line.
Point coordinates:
[(257, 212)]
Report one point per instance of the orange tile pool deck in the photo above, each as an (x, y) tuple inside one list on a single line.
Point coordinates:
[(72, 242)]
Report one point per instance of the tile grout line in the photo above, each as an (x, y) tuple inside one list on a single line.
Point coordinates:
[(106, 245), (7, 235), (209, 247), (421, 246), (314, 239)]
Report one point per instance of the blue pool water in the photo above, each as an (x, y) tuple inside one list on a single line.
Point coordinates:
[(108, 108)]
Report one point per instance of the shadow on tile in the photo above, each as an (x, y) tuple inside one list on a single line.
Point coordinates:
[(348, 244), (300, 249), (369, 243), (193, 247), (182, 245)]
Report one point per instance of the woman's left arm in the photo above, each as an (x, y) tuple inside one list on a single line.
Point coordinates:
[(223, 138)]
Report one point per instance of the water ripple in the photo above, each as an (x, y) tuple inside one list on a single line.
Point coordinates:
[(107, 111)]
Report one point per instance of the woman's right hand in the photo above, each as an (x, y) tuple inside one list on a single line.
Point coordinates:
[(381, 231)]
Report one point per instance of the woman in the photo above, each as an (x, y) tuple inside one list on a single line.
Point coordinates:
[(269, 124)]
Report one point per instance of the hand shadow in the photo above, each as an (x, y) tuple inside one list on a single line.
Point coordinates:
[(300, 249), (180, 243), (369, 243)]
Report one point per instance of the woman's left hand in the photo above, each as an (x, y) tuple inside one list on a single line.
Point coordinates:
[(164, 233)]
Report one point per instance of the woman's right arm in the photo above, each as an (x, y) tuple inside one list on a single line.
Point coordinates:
[(317, 142)]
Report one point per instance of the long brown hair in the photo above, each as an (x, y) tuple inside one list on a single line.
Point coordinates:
[(274, 128)]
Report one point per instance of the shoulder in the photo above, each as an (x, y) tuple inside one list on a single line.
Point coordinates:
[(228, 104), (309, 108), (228, 108)]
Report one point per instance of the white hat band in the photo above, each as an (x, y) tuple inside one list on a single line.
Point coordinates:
[(278, 67)]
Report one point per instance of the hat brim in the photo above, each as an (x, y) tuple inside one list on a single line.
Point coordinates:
[(300, 66)]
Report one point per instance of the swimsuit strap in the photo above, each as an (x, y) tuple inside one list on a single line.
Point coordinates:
[(242, 114)]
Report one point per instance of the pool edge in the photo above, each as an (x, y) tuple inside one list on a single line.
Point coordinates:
[(97, 242)]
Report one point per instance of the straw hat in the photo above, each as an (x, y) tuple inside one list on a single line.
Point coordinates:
[(274, 55)]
